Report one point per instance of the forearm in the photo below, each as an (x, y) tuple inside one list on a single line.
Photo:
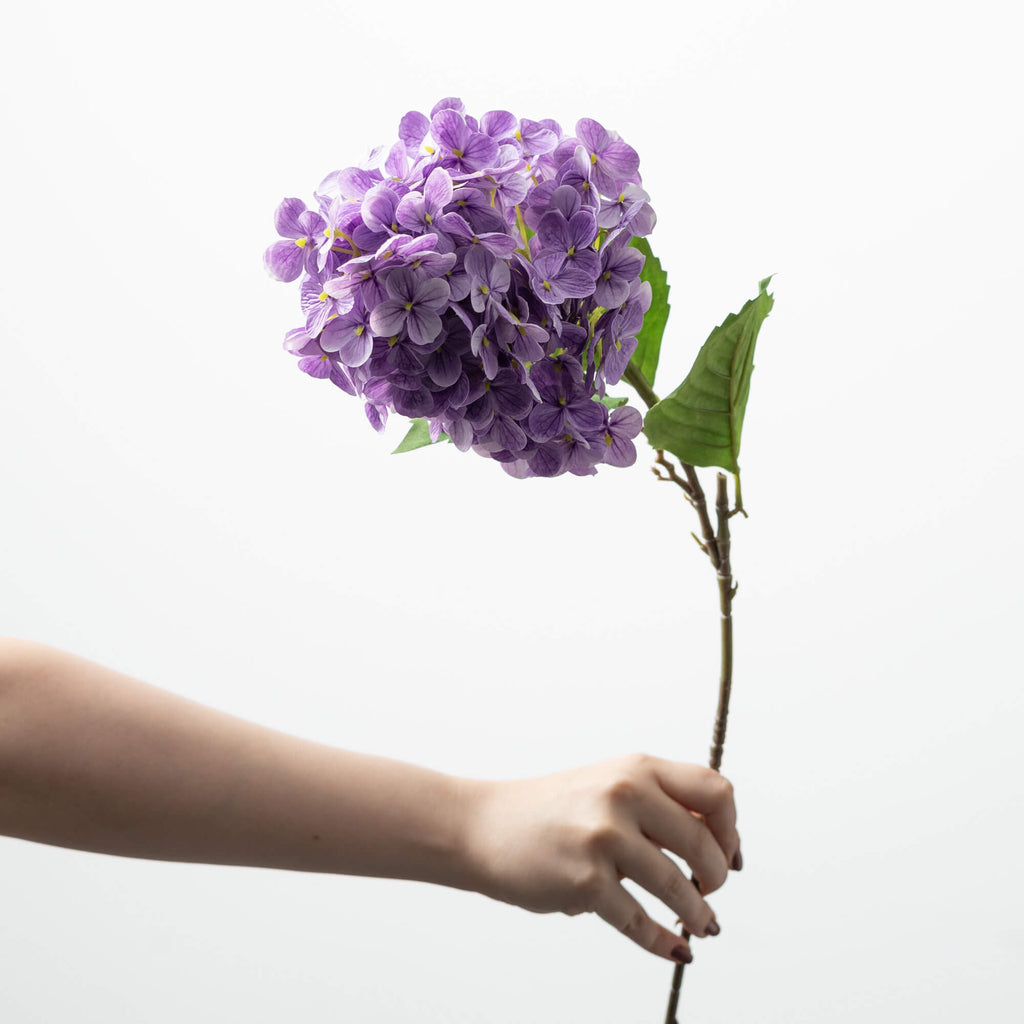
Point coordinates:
[(94, 760)]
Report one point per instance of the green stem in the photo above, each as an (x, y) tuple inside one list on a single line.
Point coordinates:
[(639, 383)]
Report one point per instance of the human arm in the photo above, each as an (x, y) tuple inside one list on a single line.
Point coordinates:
[(95, 760)]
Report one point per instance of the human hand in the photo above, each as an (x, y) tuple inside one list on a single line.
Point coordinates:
[(564, 842)]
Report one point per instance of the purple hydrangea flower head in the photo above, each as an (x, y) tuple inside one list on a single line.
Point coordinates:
[(478, 273)]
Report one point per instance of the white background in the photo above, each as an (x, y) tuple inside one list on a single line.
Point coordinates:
[(181, 503)]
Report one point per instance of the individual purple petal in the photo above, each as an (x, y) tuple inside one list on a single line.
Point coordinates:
[(286, 218), (549, 460), (412, 130), (423, 324), (484, 347), (411, 213), (298, 342), (547, 421), (396, 165), (405, 367), (413, 403), (377, 414), (388, 318), (618, 161), (448, 127), (401, 285), (437, 193), (432, 293), (582, 459), (499, 124), (284, 260), (354, 183), (507, 433), (449, 103), (461, 434), (536, 139), (444, 367), (626, 420), (518, 469), (479, 151), (378, 209), (340, 378), (565, 200), (509, 396), (592, 134), (316, 366), (378, 390), (617, 355), (434, 264)]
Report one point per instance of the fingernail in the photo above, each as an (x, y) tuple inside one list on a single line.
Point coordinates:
[(682, 955), (737, 861), (712, 928)]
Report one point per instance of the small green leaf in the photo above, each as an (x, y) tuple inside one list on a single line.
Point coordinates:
[(417, 437), (648, 349), (702, 420), (610, 402)]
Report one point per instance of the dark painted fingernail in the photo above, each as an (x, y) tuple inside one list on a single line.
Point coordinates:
[(713, 927), (682, 955), (737, 861)]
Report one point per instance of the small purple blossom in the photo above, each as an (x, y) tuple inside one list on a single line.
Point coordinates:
[(412, 306), (615, 164), (301, 229)]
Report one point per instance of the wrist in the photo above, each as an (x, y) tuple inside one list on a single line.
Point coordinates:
[(465, 851)]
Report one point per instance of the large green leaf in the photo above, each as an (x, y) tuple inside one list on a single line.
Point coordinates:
[(648, 349), (417, 437), (702, 420)]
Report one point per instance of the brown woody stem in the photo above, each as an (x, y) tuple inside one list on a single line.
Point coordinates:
[(717, 547)]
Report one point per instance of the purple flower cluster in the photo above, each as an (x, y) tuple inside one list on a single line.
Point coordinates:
[(479, 274)]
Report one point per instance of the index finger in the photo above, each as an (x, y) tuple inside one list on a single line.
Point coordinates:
[(706, 791)]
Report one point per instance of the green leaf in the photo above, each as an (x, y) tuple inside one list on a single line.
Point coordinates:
[(418, 437), (610, 402), (702, 420), (648, 349)]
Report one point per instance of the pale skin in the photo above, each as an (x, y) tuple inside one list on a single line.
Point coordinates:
[(95, 760)]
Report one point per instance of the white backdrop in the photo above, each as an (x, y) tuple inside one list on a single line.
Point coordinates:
[(180, 503)]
